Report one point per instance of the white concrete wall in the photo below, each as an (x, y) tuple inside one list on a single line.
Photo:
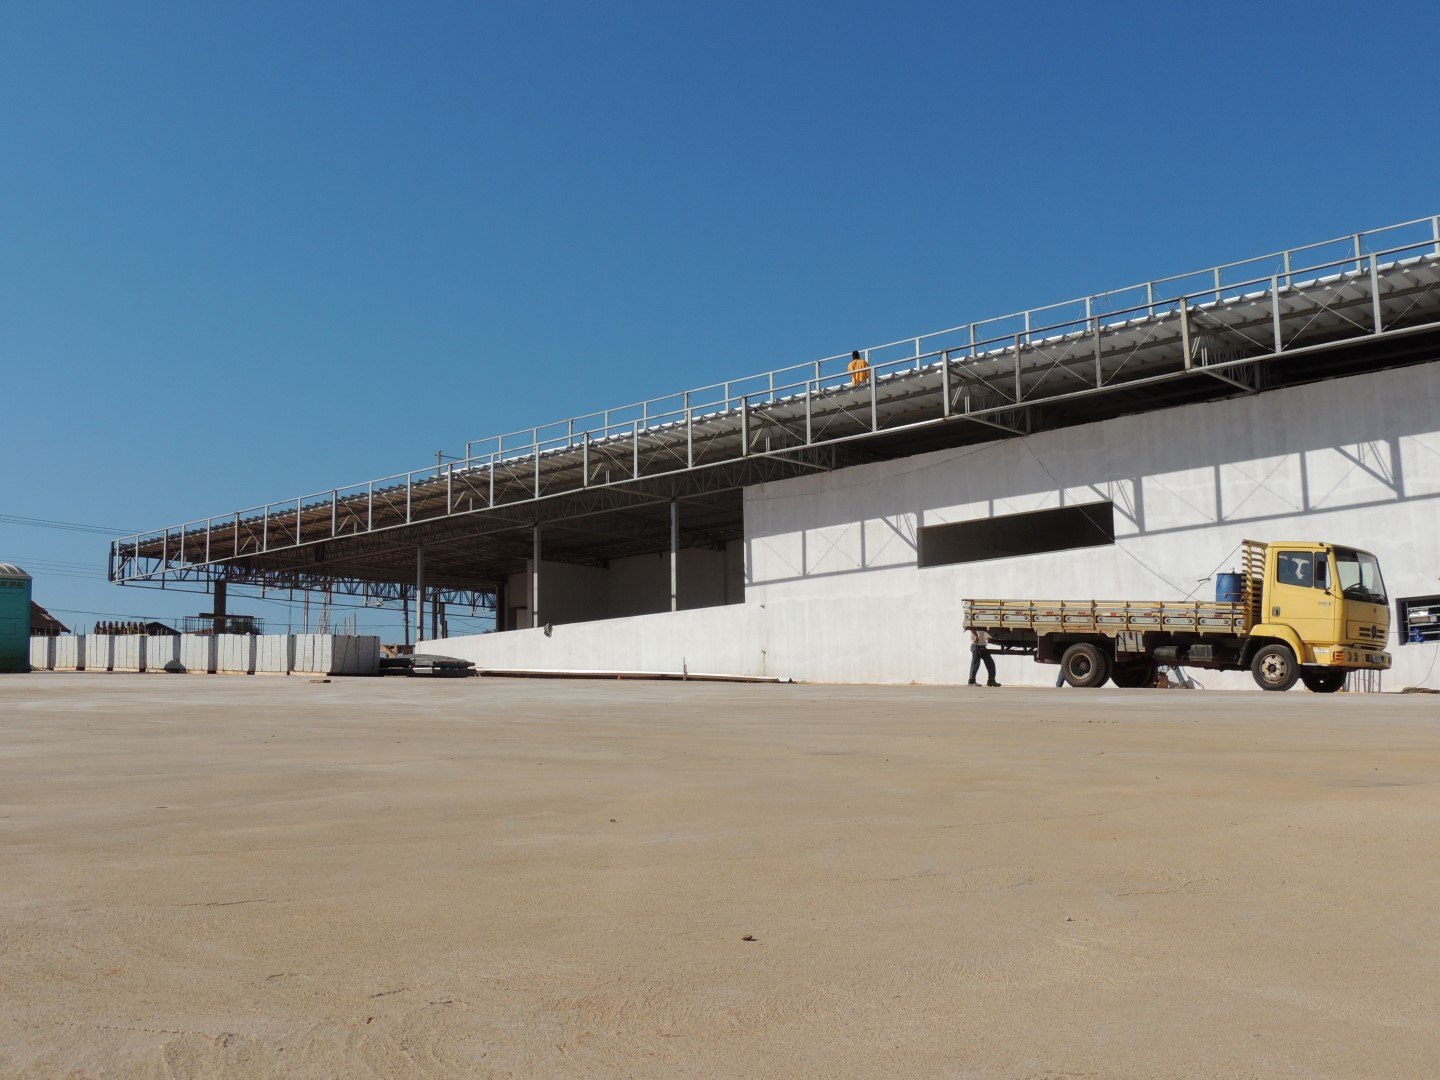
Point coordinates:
[(275, 654), (70, 652), (334, 654), (197, 653), (715, 640), (235, 653), (328, 654), (833, 589), (127, 652), (42, 653), (162, 651)]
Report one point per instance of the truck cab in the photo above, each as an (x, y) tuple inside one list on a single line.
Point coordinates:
[(1326, 604)]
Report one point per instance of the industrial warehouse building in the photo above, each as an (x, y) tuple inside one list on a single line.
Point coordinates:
[(820, 525)]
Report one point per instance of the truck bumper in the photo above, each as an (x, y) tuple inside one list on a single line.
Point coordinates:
[(1352, 656)]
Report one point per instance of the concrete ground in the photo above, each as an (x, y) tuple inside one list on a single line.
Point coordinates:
[(270, 877)]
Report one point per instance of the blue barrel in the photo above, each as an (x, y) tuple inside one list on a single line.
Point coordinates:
[(1229, 588)]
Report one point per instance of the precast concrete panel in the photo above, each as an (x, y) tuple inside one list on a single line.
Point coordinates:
[(100, 652), (275, 654), (235, 654), (354, 655), (42, 653), (716, 640), (162, 652), (70, 653), (127, 652), (197, 653)]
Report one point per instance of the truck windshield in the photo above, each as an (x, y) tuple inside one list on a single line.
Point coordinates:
[(1359, 574)]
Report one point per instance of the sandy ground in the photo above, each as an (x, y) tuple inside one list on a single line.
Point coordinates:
[(265, 877)]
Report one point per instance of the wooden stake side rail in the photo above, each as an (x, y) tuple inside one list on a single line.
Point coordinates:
[(1109, 617)]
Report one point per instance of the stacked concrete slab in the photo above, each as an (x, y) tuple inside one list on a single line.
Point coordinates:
[(237, 654)]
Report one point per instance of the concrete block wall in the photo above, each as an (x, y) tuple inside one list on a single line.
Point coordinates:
[(162, 652), (127, 653), (70, 652), (238, 654), (197, 653), (42, 653), (235, 654), (725, 640), (275, 654)]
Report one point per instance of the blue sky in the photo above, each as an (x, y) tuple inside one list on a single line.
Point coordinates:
[(254, 252)]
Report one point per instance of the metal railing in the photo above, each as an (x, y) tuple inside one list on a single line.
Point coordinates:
[(352, 508)]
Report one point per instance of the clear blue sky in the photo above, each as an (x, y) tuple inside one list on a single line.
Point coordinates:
[(261, 250)]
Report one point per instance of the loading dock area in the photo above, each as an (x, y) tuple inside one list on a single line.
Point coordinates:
[(473, 878)]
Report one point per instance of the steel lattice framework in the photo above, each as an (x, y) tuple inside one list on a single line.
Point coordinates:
[(608, 484)]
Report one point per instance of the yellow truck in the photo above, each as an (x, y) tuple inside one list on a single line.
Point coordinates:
[(1299, 610)]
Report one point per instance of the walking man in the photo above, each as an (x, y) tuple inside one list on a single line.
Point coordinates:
[(980, 651)]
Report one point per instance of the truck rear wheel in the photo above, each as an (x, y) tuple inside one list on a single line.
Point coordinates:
[(1085, 665), (1274, 667), (1133, 674), (1323, 682)]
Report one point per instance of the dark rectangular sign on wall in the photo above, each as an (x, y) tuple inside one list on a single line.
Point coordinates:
[(1091, 525)]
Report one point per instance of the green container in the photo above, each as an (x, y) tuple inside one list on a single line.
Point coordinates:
[(14, 618)]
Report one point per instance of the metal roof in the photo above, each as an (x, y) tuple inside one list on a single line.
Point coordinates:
[(600, 486)]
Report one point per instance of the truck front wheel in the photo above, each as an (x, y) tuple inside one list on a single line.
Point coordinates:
[(1085, 665), (1274, 667)]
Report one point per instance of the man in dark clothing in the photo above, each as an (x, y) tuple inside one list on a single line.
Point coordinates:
[(980, 651)]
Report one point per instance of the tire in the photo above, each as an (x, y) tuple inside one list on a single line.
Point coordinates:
[(1133, 674), (1085, 665), (1323, 682), (1274, 667)]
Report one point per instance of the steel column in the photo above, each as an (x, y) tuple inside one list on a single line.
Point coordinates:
[(535, 577), (419, 592), (1375, 296), (944, 383), (1275, 313), (1099, 368), (1017, 369), (874, 398), (674, 553)]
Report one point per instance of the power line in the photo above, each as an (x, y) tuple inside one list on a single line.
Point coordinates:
[(71, 526)]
